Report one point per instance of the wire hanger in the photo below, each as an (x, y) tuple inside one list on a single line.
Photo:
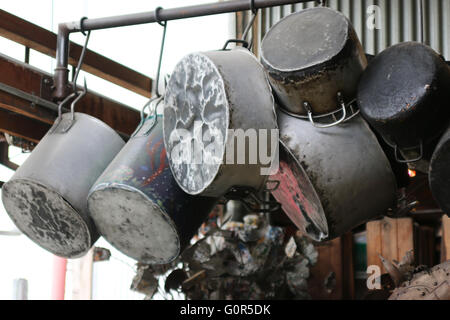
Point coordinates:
[(161, 52), (243, 41)]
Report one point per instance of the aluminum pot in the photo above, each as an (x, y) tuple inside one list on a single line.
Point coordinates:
[(208, 94), (138, 206), (404, 95), (314, 60), (332, 180), (439, 173), (46, 197)]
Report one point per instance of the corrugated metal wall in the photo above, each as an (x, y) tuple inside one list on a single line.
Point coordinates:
[(398, 21)]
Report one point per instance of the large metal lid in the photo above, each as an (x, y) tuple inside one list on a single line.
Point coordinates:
[(195, 105), (305, 39), (134, 223)]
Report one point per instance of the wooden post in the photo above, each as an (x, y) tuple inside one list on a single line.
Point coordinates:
[(445, 248), (391, 238), (332, 277)]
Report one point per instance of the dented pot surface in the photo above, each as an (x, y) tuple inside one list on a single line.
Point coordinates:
[(138, 206), (310, 56), (208, 94), (332, 180), (46, 197)]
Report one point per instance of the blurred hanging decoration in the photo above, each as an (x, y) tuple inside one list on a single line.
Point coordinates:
[(248, 259)]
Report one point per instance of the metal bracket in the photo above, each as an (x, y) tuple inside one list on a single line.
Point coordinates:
[(250, 199), (46, 88)]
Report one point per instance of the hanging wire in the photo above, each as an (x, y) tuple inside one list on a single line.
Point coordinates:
[(243, 41), (83, 54), (161, 52)]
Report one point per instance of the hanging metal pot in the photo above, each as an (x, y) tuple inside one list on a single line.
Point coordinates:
[(138, 206), (314, 60), (207, 95), (46, 197), (439, 173), (332, 180), (404, 95)]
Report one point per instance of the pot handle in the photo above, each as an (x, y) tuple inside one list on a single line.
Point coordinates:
[(397, 158), (152, 114), (307, 106)]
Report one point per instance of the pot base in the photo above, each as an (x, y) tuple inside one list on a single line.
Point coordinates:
[(298, 197), (134, 224), (46, 218)]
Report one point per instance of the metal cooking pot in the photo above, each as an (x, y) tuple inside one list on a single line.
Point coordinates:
[(138, 206), (331, 180), (46, 197), (404, 95), (314, 60), (208, 94), (439, 173)]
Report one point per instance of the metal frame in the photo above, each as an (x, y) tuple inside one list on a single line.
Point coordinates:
[(65, 29)]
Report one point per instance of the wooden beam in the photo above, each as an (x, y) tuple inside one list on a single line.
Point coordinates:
[(21, 126), (327, 270), (31, 81), (4, 156), (445, 249), (44, 41)]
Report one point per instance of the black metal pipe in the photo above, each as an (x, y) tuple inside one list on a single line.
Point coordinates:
[(61, 72)]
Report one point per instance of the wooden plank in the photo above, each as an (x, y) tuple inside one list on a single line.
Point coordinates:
[(328, 266), (348, 270), (391, 238), (29, 80), (44, 41), (445, 249), (405, 236), (374, 247), (4, 156), (389, 244)]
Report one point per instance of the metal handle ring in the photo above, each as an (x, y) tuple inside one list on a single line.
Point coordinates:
[(420, 146), (153, 115), (307, 106)]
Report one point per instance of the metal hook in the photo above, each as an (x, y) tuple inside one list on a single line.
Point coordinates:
[(82, 25), (164, 25), (81, 94), (143, 117), (67, 99), (80, 61), (245, 43)]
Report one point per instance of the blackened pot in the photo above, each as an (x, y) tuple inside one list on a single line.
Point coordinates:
[(404, 95)]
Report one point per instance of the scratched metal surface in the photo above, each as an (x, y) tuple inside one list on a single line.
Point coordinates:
[(138, 206), (220, 90), (310, 56), (46, 197), (46, 218), (347, 168)]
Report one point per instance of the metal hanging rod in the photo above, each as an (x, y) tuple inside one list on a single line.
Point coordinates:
[(61, 83)]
